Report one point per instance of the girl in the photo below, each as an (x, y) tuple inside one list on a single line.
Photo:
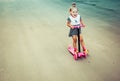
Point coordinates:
[(75, 20)]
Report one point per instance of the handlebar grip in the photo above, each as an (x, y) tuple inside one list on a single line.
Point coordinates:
[(77, 26)]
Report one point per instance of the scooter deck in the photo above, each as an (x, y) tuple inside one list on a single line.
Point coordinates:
[(80, 54), (71, 50)]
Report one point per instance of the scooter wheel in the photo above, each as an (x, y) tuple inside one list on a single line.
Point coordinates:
[(75, 56), (85, 55), (80, 55)]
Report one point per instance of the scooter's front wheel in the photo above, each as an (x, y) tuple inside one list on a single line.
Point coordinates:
[(75, 56)]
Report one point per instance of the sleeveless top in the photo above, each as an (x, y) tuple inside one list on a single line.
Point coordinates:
[(74, 21)]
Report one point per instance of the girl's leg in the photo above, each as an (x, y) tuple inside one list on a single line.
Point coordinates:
[(83, 44), (74, 37)]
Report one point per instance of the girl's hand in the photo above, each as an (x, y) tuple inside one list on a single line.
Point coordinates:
[(82, 25), (72, 27)]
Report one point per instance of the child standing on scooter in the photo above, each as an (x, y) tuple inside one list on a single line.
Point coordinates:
[(75, 20)]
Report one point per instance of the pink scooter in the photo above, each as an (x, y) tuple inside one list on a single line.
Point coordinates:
[(72, 50)]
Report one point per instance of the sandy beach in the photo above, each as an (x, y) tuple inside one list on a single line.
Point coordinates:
[(34, 40)]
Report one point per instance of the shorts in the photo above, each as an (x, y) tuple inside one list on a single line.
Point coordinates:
[(74, 32)]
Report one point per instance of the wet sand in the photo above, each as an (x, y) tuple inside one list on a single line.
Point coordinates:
[(34, 40)]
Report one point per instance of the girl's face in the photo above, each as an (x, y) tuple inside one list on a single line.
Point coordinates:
[(74, 12)]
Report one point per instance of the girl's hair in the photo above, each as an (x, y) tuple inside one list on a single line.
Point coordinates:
[(73, 6)]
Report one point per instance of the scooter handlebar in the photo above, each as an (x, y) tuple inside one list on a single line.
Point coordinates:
[(77, 26)]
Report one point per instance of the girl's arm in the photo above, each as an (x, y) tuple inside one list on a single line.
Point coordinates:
[(69, 25), (81, 23)]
